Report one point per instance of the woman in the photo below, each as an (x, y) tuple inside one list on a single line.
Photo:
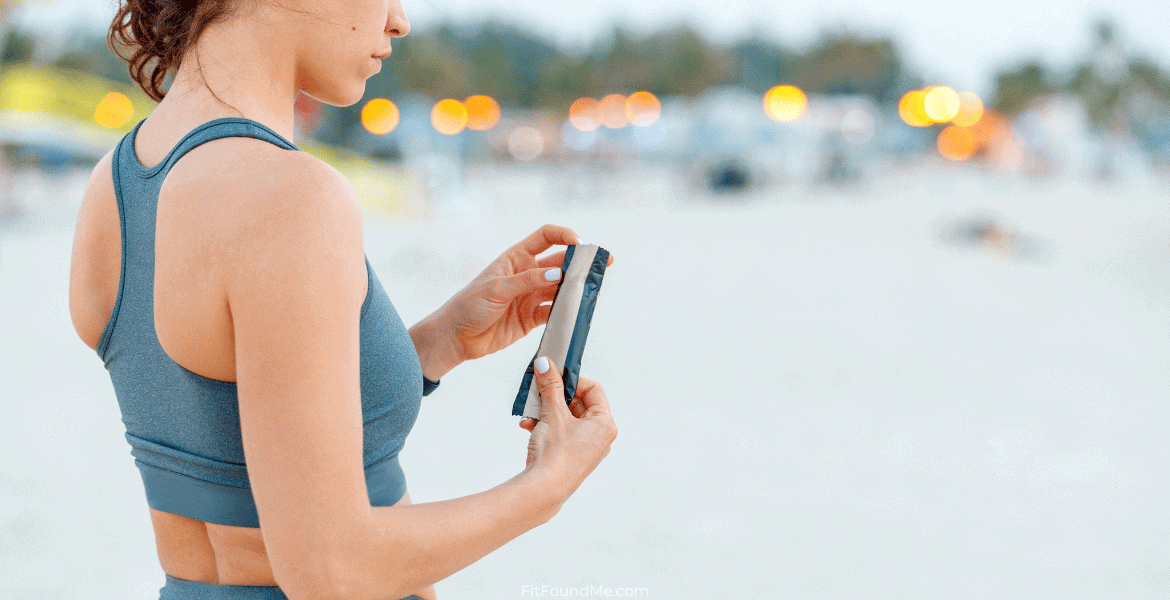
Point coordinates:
[(265, 379)]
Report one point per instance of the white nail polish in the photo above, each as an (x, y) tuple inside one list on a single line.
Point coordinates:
[(541, 365), (553, 274)]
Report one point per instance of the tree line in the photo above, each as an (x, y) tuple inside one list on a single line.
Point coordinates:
[(522, 69)]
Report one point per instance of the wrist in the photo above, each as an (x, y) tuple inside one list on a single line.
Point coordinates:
[(544, 489), (437, 349)]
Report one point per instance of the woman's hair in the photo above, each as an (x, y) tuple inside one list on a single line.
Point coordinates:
[(158, 34)]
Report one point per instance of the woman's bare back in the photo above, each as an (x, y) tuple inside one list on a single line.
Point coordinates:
[(201, 206)]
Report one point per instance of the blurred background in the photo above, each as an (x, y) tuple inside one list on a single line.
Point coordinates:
[(889, 315)]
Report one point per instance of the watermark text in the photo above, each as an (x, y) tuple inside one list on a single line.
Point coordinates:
[(584, 591)]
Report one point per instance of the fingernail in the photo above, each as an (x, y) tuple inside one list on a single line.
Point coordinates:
[(541, 365), (553, 274), (579, 242)]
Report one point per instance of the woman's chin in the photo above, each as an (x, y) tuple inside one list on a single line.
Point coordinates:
[(347, 96)]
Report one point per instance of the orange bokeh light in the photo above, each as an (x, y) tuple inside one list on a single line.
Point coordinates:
[(379, 116), (584, 114), (989, 127), (941, 103), (449, 116), (970, 110), (785, 103), (483, 112), (911, 109), (643, 109), (956, 143), (613, 111), (114, 111)]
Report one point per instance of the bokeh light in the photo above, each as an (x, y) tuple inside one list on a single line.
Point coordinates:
[(970, 110), (956, 143), (379, 116), (585, 114), (114, 111), (941, 103), (483, 112), (912, 109), (643, 109), (613, 111), (525, 143), (785, 103), (449, 116), (990, 126)]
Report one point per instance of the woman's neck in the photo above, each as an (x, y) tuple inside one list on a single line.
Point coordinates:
[(251, 70)]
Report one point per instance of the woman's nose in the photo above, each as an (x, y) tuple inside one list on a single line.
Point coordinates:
[(396, 23)]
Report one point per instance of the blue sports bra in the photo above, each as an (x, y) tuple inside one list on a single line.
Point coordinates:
[(184, 428)]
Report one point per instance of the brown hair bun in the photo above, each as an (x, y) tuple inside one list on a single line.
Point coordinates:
[(157, 34)]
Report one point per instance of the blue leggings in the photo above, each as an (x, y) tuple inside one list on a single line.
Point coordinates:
[(181, 589)]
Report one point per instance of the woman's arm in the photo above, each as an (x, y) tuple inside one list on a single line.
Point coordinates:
[(452, 534), (298, 281)]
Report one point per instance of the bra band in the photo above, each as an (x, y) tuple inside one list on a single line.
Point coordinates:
[(229, 505)]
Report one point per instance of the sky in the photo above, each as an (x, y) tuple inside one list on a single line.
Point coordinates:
[(957, 43)]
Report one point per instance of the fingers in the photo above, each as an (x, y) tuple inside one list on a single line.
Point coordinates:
[(524, 282), (592, 397), (578, 407), (541, 313), (552, 390), (555, 259), (546, 237)]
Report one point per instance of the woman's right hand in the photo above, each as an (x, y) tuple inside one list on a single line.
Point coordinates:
[(568, 441)]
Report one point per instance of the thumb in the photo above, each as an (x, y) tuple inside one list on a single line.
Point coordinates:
[(552, 390), (527, 281)]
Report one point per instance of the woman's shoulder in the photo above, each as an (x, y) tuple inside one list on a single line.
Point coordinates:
[(273, 209), (289, 222), (256, 186), (258, 176)]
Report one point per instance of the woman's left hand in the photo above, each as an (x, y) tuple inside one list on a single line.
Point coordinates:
[(504, 302)]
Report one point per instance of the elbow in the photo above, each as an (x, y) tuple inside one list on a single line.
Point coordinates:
[(337, 575), (317, 574), (384, 583), (315, 579)]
